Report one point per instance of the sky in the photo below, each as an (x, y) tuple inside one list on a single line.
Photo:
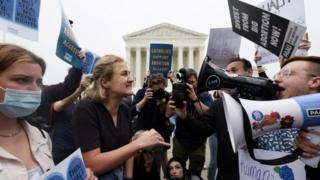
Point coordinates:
[(99, 26)]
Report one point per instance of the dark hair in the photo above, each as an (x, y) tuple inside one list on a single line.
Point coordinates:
[(315, 59), (245, 63), (183, 164), (155, 79), (186, 73)]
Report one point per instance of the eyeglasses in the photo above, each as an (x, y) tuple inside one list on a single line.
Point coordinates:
[(286, 73), (283, 74)]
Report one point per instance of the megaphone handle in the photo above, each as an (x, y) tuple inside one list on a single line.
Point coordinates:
[(250, 144)]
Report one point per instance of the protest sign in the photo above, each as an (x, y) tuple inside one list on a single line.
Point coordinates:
[(274, 33), (160, 59), (250, 169), (72, 168), (67, 46), (89, 62), (20, 17), (223, 46), (290, 9)]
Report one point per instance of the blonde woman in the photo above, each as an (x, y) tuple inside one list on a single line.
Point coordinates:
[(101, 122)]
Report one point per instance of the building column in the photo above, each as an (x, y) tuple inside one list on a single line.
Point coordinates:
[(180, 58), (190, 60), (147, 59), (128, 60), (138, 67), (201, 57)]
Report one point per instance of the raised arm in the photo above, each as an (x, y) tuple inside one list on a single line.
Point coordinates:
[(62, 104)]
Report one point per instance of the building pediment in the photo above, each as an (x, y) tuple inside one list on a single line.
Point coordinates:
[(164, 30)]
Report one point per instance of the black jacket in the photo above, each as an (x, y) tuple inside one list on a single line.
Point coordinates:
[(213, 121)]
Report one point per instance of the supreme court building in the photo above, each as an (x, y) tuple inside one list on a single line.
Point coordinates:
[(188, 48)]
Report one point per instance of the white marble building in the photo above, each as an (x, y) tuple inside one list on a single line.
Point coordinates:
[(188, 48)]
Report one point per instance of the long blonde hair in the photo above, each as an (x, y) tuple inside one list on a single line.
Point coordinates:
[(103, 69)]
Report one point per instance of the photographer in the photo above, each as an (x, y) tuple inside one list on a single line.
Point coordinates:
[(186, 145), (213, 121), (298, 76), (150, 105)]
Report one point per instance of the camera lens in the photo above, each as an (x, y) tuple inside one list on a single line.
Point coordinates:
[(179, 94)]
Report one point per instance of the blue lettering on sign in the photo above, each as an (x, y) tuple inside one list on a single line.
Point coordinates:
[(27, 13), (255, 173), (6, 9), (76, 169), (54, 176)]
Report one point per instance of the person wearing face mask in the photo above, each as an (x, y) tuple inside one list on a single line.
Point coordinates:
[(25, 151)]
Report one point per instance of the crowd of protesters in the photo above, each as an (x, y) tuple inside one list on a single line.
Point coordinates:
[(127, 135)]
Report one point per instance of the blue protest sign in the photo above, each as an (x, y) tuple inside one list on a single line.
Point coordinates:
[(20, 17), (67, 46), (71, 168), (76, 169), (27, 13), (89, 62), (6, 9), (160, 58)]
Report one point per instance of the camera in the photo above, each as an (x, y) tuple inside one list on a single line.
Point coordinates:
[(179, 88), (212, 77), (159, 94), (154, 82)]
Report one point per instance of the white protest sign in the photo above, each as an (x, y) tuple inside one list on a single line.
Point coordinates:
[(223, 45), (20, 17), (290, 9), (253, 170), (72, 168)]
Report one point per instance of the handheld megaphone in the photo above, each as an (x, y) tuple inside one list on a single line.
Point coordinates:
[(265, 116), (211, 77)]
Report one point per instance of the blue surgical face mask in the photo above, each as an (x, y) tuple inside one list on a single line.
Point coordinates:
[(19, 103)]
